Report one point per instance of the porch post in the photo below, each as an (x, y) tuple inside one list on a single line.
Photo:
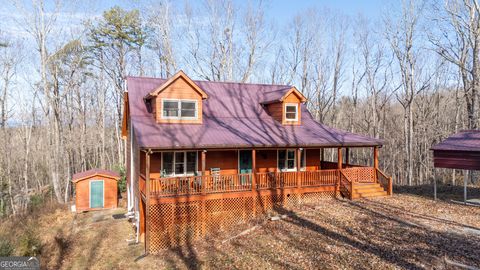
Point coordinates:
[(434, 184), (147, 200), (339, 167), (347, 156), (322, 154), (340, 158), (299, 156), (375, 157), (204, 179), (254, 169)]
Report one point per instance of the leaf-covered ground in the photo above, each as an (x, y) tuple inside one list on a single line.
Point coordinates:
[(408, 230)]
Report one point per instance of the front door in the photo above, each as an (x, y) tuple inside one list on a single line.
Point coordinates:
[(96, 194), (245, 164)]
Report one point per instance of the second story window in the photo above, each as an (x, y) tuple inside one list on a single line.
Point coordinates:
[(291, 112), (179, 109)]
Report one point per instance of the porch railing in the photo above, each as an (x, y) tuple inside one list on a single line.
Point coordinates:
[(317, 178), (384, 181), (193, 185), (276, 180)]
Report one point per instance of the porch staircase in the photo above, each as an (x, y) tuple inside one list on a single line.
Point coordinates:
[(368, 190)]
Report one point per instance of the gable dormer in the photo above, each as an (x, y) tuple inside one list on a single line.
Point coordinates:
[(285, 106), (178, 100)]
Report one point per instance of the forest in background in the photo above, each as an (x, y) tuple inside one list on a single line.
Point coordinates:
[(411, 77)]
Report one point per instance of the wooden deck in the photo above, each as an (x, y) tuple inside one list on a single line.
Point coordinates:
[(347, 181), (182, 209)]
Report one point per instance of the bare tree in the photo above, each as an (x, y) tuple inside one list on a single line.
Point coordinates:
[(458, 42)]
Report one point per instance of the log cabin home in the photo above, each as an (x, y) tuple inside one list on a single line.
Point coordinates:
[(204, 156)]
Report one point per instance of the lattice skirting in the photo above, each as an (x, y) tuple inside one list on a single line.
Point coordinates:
[(180, 223)]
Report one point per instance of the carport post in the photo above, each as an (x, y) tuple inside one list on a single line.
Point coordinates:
[(465, 177), (434, 184)]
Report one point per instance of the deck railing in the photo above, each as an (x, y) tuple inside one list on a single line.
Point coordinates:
[(228, 183), (384, 181), (194, 185), (276, 180), (318, 178), (346, 185)]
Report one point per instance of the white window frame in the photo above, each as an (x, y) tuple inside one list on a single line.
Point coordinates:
[(173, 174), (296, 111), (179, 101), (286, 169), (90, 192)]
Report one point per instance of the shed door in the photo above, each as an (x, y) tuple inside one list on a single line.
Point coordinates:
[(96, 194)]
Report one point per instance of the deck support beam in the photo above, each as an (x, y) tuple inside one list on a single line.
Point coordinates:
[(203, 160), (147, 201), (375, 157), (339, 158), (254, 169), (347, 156), (465, 178), (299, 157)]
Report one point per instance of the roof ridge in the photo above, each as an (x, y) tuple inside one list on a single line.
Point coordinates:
[(222, 82)]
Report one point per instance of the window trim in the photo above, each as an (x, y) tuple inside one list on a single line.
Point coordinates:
[(173, 174), (179, 102), (296, 112)]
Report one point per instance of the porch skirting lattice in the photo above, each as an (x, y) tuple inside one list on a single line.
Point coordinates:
[(175, 223)]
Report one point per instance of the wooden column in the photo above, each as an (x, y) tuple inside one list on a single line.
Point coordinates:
[(347, 156), (434, 184), (322, 157), (375, 157), (340, 158), (299, 156), (147, 200), (254, 170), (204, 178), (465, 177)]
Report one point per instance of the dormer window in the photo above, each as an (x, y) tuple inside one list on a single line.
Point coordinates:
[(291, 112), (179, 109)]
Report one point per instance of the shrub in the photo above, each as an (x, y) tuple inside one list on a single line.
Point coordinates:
[(122, 182), (36, 201), (6, 248), (29, 244)]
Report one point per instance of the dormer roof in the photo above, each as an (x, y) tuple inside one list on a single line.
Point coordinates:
[(177, 75), (280, 95)]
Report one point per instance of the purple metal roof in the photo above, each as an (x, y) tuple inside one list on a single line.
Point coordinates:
[(465, 140), (233, 117), (94, 172)]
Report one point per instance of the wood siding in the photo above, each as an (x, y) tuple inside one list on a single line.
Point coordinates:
[(277, 109), (312, 159), (82, 193), (266, 160), (179, 89), (464, 160), (292, 98), (227, 161)]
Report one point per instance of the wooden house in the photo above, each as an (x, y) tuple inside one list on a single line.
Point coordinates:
[(95, 189), (203, 156)]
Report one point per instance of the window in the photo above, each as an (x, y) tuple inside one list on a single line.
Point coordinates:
[(286, 160), (291, 112), (170, 108), (179, 163), (179, 109)]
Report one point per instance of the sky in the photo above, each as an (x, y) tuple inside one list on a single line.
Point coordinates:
[(74, 12)]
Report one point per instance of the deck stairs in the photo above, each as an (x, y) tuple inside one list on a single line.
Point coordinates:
[(368, 190)]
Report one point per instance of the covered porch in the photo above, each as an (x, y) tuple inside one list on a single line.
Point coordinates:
[(194, 173)]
